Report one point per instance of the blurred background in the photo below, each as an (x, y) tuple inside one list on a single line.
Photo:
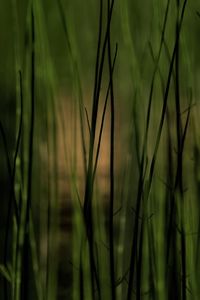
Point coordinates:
[(64, 36)]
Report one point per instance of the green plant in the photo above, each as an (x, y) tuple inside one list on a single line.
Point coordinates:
[(120, 168)]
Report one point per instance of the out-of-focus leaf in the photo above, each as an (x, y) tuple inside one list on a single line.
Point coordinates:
[(5, 272)]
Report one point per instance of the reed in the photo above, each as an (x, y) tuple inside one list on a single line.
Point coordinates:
[(103, 182)]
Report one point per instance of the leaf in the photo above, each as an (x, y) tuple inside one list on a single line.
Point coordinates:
[(4, 271), (198, 13)]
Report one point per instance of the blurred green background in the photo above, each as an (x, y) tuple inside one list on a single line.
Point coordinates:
[(65, 70)]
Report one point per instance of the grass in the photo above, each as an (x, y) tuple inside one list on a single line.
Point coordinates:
[(122, 165)]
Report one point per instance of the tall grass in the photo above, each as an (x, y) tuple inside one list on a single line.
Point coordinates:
[(133, 232)]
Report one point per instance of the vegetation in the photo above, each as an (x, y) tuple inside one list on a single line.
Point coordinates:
[(100, 150)]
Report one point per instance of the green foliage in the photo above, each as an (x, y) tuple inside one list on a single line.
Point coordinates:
[(100, 150)]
